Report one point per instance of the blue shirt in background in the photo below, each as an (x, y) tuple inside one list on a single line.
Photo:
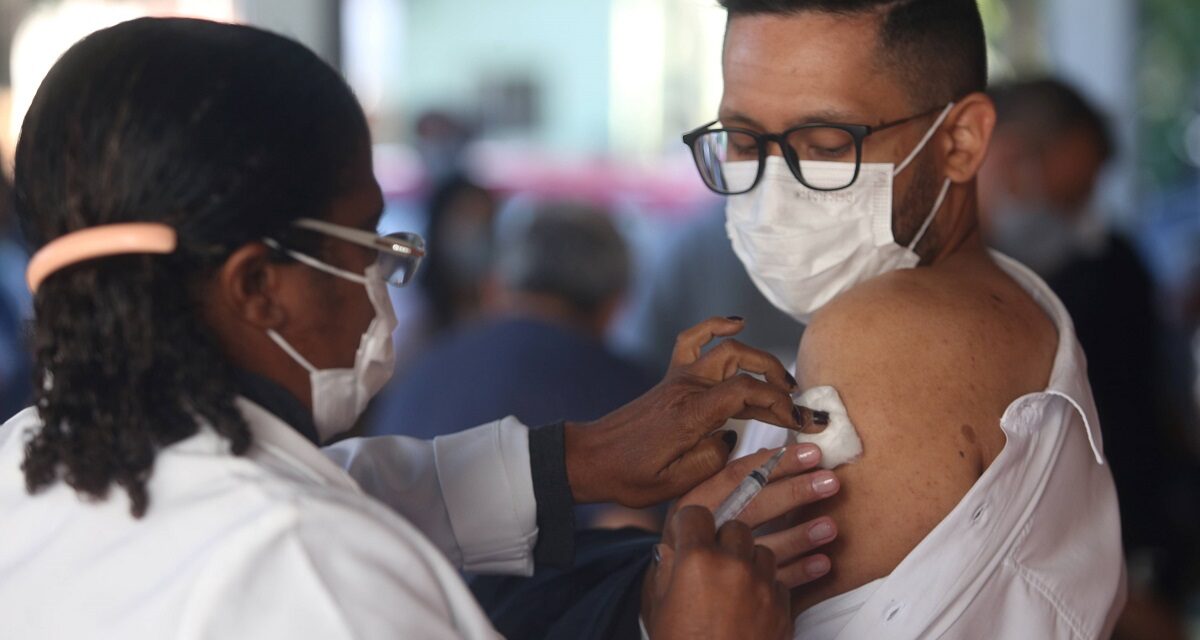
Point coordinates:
[(534, 370), (16, 386)]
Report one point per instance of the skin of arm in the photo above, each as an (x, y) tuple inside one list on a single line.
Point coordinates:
[(926, 362)]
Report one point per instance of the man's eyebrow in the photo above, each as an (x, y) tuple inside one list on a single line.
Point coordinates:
[(737, 118), (831, 116)]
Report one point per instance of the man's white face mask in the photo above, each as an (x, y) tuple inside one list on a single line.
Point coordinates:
[(802, 246), (339, 396)]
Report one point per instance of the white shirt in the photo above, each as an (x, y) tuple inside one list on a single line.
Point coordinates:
[(279, 543), (1033, 550)]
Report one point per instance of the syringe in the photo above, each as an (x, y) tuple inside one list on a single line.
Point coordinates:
[(746, 490)]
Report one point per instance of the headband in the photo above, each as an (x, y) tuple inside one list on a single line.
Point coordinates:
[(99, 242)]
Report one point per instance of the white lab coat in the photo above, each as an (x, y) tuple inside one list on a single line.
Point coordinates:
[(279, 543)]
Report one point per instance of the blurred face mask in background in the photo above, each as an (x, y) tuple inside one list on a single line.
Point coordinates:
[(1043, 237)]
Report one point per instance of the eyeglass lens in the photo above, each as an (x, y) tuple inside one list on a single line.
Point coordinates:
[(398, 269), (717, 150)]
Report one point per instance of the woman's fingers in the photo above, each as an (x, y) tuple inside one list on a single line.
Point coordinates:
[(692, 527), (804, 571), (798, 459), (720, 588), (663, 568), (690, 342), (700, 463), (742, 393), (765, 563), (793, 542), (786, 494), (736, 538), (730, 357)]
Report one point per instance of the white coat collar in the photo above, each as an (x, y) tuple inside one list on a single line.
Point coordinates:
[(279, 446)]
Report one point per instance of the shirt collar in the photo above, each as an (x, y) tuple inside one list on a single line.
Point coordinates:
[(1068, 378)]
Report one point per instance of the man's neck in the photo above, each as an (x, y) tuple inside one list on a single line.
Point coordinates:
[(961, 238)]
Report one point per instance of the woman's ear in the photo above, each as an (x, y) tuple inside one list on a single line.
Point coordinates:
[(968, 133), (249, 285)]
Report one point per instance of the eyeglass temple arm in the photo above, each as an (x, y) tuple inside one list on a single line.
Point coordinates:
[(358, 236)]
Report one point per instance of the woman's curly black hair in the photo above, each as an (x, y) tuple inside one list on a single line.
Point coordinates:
[(226, 133)]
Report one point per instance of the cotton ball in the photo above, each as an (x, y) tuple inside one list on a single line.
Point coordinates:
[(839, 441)]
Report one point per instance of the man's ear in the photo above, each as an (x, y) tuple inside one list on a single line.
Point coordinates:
[(968, 133), (249, 284)]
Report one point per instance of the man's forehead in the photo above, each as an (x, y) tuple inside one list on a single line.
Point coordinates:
[(781, 70)]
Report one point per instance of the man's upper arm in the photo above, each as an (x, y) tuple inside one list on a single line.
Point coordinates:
[(907, 364)]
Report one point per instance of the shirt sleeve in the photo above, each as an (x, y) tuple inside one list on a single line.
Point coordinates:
[(471, 493)]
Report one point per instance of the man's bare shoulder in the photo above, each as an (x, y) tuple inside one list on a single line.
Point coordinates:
[(935, 322), (926, 361), (943, 302)]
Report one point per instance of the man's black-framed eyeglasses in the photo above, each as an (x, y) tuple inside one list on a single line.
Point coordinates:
[(714, 148)]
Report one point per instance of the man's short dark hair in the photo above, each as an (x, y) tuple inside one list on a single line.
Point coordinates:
[(1046, 108), (936, 47)]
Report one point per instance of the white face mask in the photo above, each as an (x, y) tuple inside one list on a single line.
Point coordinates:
[(339, 396), (801, 246)]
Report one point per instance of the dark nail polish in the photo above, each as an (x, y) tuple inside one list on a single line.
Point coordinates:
[(821, 417), (790, 379), (798, 414), (730, 438), (735, 318)]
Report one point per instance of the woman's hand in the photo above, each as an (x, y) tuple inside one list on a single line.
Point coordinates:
[(715, 585), (788, 488), (662, 444)]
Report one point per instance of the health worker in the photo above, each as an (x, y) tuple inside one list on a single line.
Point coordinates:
[(211, 306)]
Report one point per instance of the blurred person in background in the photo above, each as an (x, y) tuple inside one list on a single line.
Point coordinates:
[(456, 215), (1036, 190), (698, 277), (446, 200), (559, 274), (1038, 183), (441, 140), (15, 310), (1169, 239), (460, 213)]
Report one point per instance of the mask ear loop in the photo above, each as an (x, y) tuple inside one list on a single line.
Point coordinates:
[(937, 205), (924, 140), (317, 264), (291, 351)]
